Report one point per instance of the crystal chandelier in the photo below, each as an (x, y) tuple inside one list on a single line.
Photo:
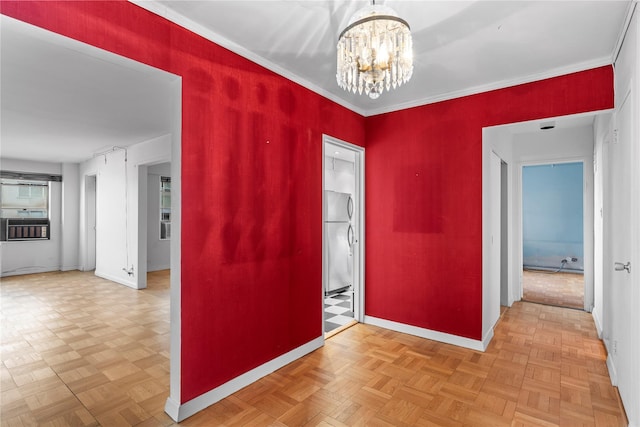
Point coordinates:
[(374, 51)]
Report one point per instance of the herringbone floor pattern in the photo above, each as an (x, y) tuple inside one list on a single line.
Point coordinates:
[(77, 350)]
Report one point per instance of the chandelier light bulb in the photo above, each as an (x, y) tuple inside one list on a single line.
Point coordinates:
[(374, 52)]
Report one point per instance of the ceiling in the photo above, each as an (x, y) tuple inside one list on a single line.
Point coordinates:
[(63, 100), (460, 47), (67, 101)]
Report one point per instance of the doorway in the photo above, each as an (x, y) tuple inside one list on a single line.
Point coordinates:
[(553, 234), (506, 149), (112, 68), (343, 231), (91, 187)]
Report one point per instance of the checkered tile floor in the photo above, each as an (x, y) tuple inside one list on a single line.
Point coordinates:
[(337, 310)]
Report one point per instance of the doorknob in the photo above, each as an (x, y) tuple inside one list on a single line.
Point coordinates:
[(620, 266)]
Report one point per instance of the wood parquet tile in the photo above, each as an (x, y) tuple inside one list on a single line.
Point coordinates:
[(81, 351), (74, 350), (561, 289)]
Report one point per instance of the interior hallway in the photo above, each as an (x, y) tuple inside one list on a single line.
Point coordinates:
[(79, 350)]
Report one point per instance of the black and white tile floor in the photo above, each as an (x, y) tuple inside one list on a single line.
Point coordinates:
[(337, 310)]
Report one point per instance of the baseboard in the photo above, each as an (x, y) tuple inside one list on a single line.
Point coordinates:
[(487, 339), (28, 270), (612, 371), (596, 320), (158, 267), (69, 267), (180, 412), (430, 334), (116, 279)]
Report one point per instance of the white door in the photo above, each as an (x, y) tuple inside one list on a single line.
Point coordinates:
[(622, 273)]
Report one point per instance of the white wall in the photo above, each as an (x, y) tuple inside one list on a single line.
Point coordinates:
[(70, 216), (158, 251), (25, 257), (119, 199), (621, 317), (496, 140), (553, 145), (602, 137)]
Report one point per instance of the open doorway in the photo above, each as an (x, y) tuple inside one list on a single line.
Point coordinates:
[(553, 234), (122, 114), (559, 140), (343, 221)]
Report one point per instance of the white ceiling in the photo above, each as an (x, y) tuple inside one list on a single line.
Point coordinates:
[(63, 100), (460, 47)]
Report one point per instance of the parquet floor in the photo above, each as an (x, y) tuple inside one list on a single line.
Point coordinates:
[(80, 351), (561, 289)]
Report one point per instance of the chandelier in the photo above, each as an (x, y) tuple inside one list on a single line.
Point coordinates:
[(374, 51)]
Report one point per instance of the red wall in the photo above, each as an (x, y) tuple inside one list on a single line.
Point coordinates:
[(251, 187), (424, 197)]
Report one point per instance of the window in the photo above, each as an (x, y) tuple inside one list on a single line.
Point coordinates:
[(20, 199), (165, 208), (24, 209)]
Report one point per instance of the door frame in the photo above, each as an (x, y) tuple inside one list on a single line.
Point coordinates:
[(492, 229), (359, 197), (91, 213), (587, 224)]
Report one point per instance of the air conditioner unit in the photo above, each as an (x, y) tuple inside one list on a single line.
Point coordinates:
[(24, 229)]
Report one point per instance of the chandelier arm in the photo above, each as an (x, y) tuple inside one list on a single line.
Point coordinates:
[(374, 18)]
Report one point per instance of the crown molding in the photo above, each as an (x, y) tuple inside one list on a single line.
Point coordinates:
[(623, 31), (500, 84)]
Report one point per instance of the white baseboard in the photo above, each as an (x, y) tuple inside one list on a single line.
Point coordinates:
[(172, 408), (180, 412), (612, 371), (597, 322), (158, 267), (432, 335), (116, 279), (487, 339), (28, 270)]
